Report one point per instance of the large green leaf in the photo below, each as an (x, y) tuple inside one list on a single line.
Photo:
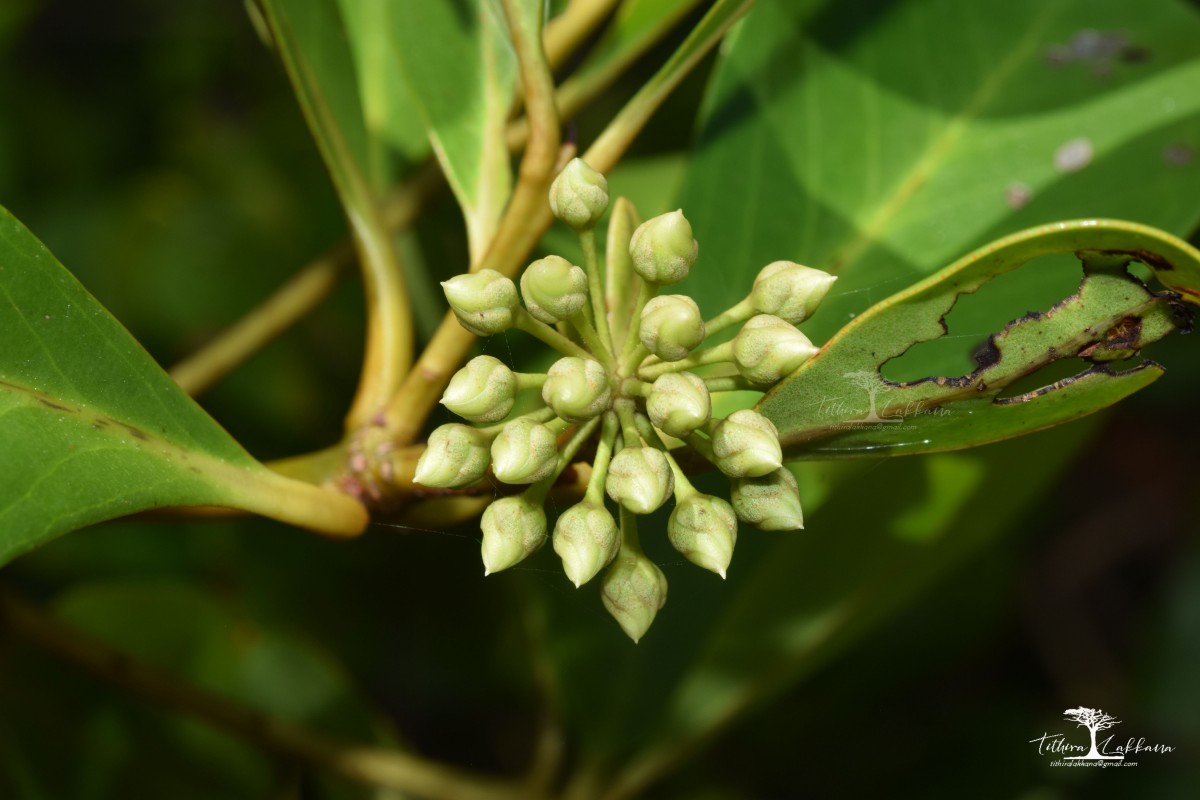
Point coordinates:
[(839, 403), (91, 428), (882, 141), (450, 66)]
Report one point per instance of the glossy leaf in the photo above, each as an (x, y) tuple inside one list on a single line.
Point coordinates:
[(839, 403), (636, 26), (882, 146), (452, 64), (91, 428)]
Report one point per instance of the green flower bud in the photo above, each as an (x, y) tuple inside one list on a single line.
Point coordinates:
[(482, 391), (513, 528), (553, 289), (770, 502), (483, 301), (640, 479), (586, 539), (704, 529), (663, 249), (577, 389), (579, 195), (633, 590), (789, 290), (457, 455), (767, 349), (679, 403), (524, 452), (671, 326), (746, 444)]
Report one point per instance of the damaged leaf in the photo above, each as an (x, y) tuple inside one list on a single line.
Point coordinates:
[(839, 404)]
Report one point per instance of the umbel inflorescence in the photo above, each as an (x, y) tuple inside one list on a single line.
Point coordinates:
[(636, 376)]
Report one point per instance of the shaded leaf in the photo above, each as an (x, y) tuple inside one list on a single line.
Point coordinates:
[(91, 428), (452, 64), (882, 141), (839, 403)]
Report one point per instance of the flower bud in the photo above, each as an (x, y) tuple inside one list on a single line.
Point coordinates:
[(746, 444), (553, 289), (767, 349), (457, 455), (663, 249), (704, 529), (579, 195), (586, 539), (640, 479), (524, 451), (671, 326), (770, 502), (482, 391), (679, 403), (513, 528), (483, 301), (633, 590), (789, 290), (577, 389)]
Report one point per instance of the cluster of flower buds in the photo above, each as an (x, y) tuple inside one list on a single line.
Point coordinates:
[(636, 377)]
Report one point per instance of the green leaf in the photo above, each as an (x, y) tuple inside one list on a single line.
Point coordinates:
[(839, 403), (636, 26), (453, 64), (91, 428), (310, 36), (884, 146)]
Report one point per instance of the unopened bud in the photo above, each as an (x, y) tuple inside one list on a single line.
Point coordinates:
[(789, 290), (633, 590), (456, 455), (768, 349), (577, 389), (679, 403), (513, 529), (746, 444), (704, 529), (770, 502), (586, 539), (482, 391), (640, 479), (671, 326), (524, 452), (554, 289), (483, 301), (663, 249), (579, 195)]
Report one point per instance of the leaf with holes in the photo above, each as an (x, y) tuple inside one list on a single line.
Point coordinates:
[(91, 428), (839, 404)]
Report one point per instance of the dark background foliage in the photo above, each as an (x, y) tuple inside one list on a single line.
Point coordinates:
[(158, 151)]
